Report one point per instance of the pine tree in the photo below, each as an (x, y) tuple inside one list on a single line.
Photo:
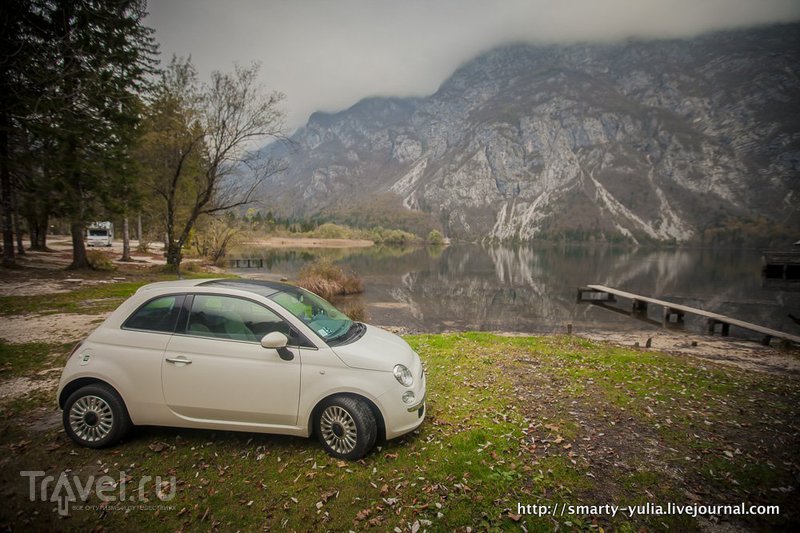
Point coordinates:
[(101, 55), (21, 54)]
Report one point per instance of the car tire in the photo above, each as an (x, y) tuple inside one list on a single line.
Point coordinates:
[(95, 416), (346, 427)]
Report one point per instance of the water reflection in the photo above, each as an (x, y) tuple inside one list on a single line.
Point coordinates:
[(524, 288)]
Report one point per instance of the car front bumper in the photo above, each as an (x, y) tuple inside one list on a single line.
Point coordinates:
[(401, 418)]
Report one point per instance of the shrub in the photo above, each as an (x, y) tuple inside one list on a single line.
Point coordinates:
[(392, 236), (352, 284), (330, 230), (320, 286), (214, 236), (99, 260), (435, 237), (355, 310), (328, 280), (191, 266)]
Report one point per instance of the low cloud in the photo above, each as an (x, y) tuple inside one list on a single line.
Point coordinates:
[(327, 55)]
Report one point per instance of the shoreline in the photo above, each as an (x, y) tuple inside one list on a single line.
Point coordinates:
[(308, 242), (60, 327)]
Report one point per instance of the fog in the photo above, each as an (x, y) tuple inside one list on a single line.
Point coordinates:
[(326, 55)]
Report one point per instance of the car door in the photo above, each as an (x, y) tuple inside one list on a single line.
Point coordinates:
[(215, 369)]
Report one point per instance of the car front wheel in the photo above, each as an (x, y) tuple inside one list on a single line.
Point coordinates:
[(94, 416), (346, 427)]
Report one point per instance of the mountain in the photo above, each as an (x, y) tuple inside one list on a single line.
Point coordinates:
[(668, 140)]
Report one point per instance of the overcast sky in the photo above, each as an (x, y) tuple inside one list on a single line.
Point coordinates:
[(328, 54)]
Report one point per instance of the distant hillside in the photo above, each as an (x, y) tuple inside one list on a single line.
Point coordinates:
[(672, 140)]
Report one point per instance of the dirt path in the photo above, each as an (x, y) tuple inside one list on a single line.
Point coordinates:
[(53, 329)]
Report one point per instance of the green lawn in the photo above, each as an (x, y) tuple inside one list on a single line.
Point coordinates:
[(511, 420)]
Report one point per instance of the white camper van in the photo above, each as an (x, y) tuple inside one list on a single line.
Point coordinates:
[(100, 234)]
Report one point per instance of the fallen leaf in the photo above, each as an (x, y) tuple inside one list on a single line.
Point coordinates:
[(158, 447)]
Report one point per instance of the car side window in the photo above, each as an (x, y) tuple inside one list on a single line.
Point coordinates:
[(159, 314), (226, 317)]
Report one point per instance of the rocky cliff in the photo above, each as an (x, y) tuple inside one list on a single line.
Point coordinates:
[(637, 141)]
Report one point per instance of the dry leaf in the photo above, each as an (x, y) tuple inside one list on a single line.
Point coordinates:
[(158, 447)]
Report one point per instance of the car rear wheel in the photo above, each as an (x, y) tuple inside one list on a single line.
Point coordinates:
[(95, 416), (346, 427)]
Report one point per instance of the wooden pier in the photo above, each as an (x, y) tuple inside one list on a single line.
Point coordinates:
[(673, 313), (246, 263), (783, 265)]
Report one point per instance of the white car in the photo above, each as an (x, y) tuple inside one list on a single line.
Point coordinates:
[(242, 355)]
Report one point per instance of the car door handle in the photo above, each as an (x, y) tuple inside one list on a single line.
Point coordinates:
[(175, 360)]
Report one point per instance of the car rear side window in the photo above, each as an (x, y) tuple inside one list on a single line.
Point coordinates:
[(159, 314)]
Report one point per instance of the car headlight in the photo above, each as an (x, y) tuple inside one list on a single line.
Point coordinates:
[(409, 397), (403, 375)]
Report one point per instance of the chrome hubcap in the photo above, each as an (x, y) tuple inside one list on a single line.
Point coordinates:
[(338, 429), (91, 418)]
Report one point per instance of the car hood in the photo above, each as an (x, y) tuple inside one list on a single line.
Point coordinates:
[(377, 349)]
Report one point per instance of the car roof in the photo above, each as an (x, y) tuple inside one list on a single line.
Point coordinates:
[(172, 284), (259, 287)]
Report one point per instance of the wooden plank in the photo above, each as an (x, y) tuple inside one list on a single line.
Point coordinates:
[(783, 258), (768, 332), (713, 318), (586, 294), (656, 301)]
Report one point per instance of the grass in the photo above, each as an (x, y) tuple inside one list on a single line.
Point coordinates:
[(528, 420), (26, 359)]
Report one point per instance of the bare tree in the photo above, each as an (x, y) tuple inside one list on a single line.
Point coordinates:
[(201, 145)]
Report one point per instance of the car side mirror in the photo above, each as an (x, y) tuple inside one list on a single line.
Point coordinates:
[(274, 340)]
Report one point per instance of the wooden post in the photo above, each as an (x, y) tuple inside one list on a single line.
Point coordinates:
[(668, 314)]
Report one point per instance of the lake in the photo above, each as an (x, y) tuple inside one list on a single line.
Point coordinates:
[(533, 289)]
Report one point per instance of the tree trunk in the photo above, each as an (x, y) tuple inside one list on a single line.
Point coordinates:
[(79, 259), (5, 192), (17, 221), (33, 232), (37, 230), (126, 241), (139, 229), (174, 256), (18, 231)]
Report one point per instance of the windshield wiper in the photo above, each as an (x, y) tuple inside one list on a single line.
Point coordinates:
[(353, 327)]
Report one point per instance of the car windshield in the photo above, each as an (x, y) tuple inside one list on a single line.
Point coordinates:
[(326, 321)]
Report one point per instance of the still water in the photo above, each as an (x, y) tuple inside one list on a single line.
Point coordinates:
[(532, 289)]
